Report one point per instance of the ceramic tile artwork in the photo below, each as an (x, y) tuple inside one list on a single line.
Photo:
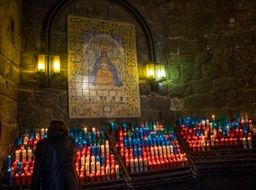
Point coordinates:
[(102, 69)]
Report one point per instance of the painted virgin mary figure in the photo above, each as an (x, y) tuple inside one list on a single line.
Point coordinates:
[(104, 72)]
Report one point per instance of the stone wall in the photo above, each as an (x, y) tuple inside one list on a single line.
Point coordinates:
[(208, 47), (10, 44)]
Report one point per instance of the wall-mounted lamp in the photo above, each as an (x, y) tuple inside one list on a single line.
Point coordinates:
[(47, 66), (160, 73), (41, 64), (150, 71), (155, 74), (54, 63)]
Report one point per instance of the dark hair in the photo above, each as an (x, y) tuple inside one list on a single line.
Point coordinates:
[(57, 128)]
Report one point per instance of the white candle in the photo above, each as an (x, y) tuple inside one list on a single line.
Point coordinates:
[(92, 167), (97, 166), (17, 155), (117, 171), (160, 150), (164, 151), (132, 165), (156, 151), (107, 147), (141, 164), (24, 154), (108, 172), (244, 143), (152, 151), (82, 160), (87, 168), (102, 149), (136, 164), (171, 147), (249, 142), (29, 154), (212, 140), (168, 151)]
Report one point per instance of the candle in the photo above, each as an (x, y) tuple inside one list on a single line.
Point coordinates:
[(83, 161), (249, 139), (17, 155), (108, 172), (132, 165), (136, 164), (244, 143), (117, 171), (97, 166), (29, 154)]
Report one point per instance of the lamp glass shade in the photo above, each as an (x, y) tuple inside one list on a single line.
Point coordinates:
[(160, 72), (150, 71), (56, 64), (41, 63)]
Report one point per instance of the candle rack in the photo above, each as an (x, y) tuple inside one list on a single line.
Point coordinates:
[(150, 153), (100, 160), (218, 145)]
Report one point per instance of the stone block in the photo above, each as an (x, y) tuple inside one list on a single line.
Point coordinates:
[(185, 72), (188, 59), (202, 57), (149, 115), (5, 66), (218, 99), (8, 50), (173, 72), (8, 88), (201, 86), (196, 72), (160, 103), (179, 90), (233, 98), (145, 88), (177, 104), (145, 102), (228, 83), (251, 96), (8, 109), (210, 71), (7, 140), (197, 102)]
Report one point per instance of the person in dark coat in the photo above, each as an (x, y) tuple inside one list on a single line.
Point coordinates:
[(54, 167)]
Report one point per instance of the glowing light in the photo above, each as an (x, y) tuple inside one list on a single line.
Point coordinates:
[(41, 63), (150, 70), (56, 64), (160, 72)]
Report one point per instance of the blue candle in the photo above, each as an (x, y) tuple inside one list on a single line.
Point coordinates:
[(9, 161)]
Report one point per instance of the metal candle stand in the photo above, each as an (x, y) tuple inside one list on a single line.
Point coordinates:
[(154, 176)]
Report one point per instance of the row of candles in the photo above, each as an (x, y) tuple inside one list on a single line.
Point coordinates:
[(20, 168), (204, 134), (94, 161), (147, 147)]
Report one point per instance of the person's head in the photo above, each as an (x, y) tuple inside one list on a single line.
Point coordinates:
[(57, 128)]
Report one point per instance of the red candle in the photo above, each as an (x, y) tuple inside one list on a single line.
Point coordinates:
[(17, 179), (29, 178), (23, 179)]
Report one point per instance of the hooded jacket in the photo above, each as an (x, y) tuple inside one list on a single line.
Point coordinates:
[(54, 164)]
